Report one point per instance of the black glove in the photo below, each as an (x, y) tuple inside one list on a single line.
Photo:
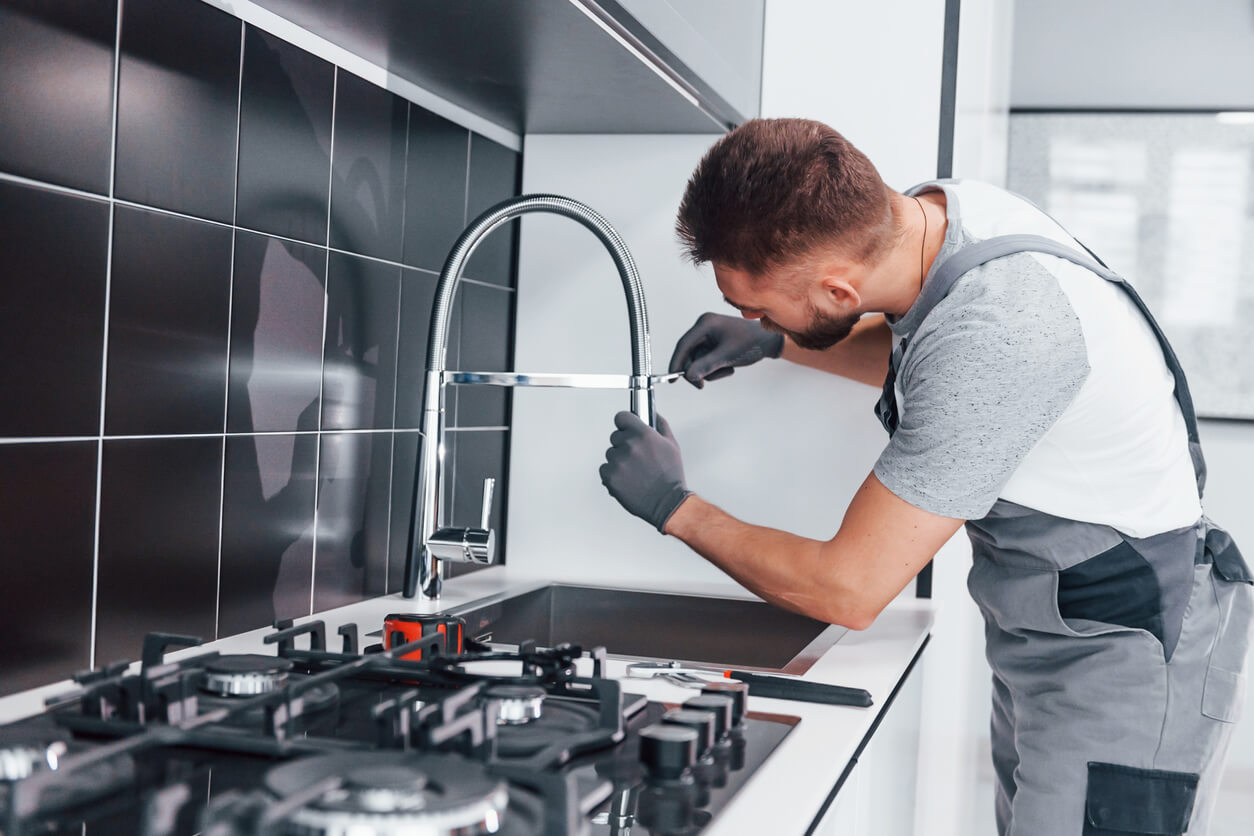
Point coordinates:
[(643, 469), (717, 344)]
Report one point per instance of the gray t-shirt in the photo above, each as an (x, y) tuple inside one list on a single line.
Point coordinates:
[(983, 378)]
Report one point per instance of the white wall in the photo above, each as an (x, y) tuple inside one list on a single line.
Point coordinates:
[(871, 70), (1134, 53)]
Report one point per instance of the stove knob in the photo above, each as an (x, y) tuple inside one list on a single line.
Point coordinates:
[(722, 708), (702, 722), (667, 751), (737, 691)]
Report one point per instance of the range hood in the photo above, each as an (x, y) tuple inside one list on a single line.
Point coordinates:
[(530, 66)]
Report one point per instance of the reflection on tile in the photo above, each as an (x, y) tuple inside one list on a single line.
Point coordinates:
[(435, 188), (56, 91), (368, 185), (359, 372), (354, 479), (417, 297), (52, 299), (404, 490), (493, 177), (178, 90), (267, 530), (47, 525), (276, 335), (285, 139), (486, 338), (158, 541), (168, 321), (477, 454)]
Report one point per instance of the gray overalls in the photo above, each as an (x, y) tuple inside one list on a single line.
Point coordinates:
[(1118, 663)]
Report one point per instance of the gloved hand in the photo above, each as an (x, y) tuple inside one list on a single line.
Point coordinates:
[(716, 344), (643, 469)]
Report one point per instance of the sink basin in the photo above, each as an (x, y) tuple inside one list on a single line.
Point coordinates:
[(694, 629)]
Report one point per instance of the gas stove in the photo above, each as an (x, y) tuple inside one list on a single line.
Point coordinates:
[(433, 736)]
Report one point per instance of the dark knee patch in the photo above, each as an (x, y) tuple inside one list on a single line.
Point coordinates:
[(1126, 801)]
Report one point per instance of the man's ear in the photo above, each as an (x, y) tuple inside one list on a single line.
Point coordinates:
[(844, 294)]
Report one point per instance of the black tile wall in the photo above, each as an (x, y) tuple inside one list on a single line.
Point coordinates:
[(368, 186), (56, 90), (47, 525), (267, 529), (158, 541), (255, 267), (354, 494), (417, 297), (276, 335), (435, 188), (168, 319), (178, 100), (494, 172), (52, 302), (284, 139), (404, 491), (359, 367)]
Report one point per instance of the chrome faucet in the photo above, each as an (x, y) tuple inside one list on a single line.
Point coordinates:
[(431, 541)]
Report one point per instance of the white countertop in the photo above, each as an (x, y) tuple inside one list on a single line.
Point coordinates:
[(784, 795)]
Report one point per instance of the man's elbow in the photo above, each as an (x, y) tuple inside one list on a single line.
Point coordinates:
[(854, 614)]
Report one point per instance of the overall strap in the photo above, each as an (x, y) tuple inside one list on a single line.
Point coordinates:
[(970, 257)]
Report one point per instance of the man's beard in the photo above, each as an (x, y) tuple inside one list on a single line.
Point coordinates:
[(823, 332)]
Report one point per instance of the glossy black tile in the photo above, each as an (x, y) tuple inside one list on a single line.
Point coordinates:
[(158, 541), (494, 175), (267, 530), (417, 296), (168, 320), (47, 525), (56, 91), (487, 340), (285, 139), (359, 370), (368, 182), (478, 454), (178, 102), (354, 482), (276, 335), (52, 303), (400, 520), (435, 188)]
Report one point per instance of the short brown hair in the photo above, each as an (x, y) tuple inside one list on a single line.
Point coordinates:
[(773, 190)]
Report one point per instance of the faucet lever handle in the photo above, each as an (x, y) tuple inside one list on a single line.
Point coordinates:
[(485, 515)]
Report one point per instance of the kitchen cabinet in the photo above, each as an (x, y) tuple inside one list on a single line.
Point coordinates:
[(560, 66)]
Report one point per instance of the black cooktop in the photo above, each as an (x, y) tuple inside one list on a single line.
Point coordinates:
[(308, 741)]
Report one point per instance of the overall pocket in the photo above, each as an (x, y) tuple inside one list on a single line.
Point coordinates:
[(1125, 801), (1223, 693)]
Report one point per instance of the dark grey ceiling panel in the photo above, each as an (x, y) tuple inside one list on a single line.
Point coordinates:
[(532, 66)]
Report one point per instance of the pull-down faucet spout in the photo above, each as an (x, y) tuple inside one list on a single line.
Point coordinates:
[(431, 542)]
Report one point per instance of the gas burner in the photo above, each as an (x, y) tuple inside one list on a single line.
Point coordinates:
[(392, 793), (518, 704), (560, 719), (245, 675)]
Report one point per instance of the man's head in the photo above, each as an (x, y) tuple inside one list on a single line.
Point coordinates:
[(792, 216)]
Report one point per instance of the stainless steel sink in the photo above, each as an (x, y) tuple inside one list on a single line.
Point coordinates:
[(696, 629)]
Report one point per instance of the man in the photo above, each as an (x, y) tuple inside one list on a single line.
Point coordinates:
[(1028, 396)]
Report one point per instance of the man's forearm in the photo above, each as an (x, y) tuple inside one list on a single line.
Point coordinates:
[(862, 356), (788, 570)]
